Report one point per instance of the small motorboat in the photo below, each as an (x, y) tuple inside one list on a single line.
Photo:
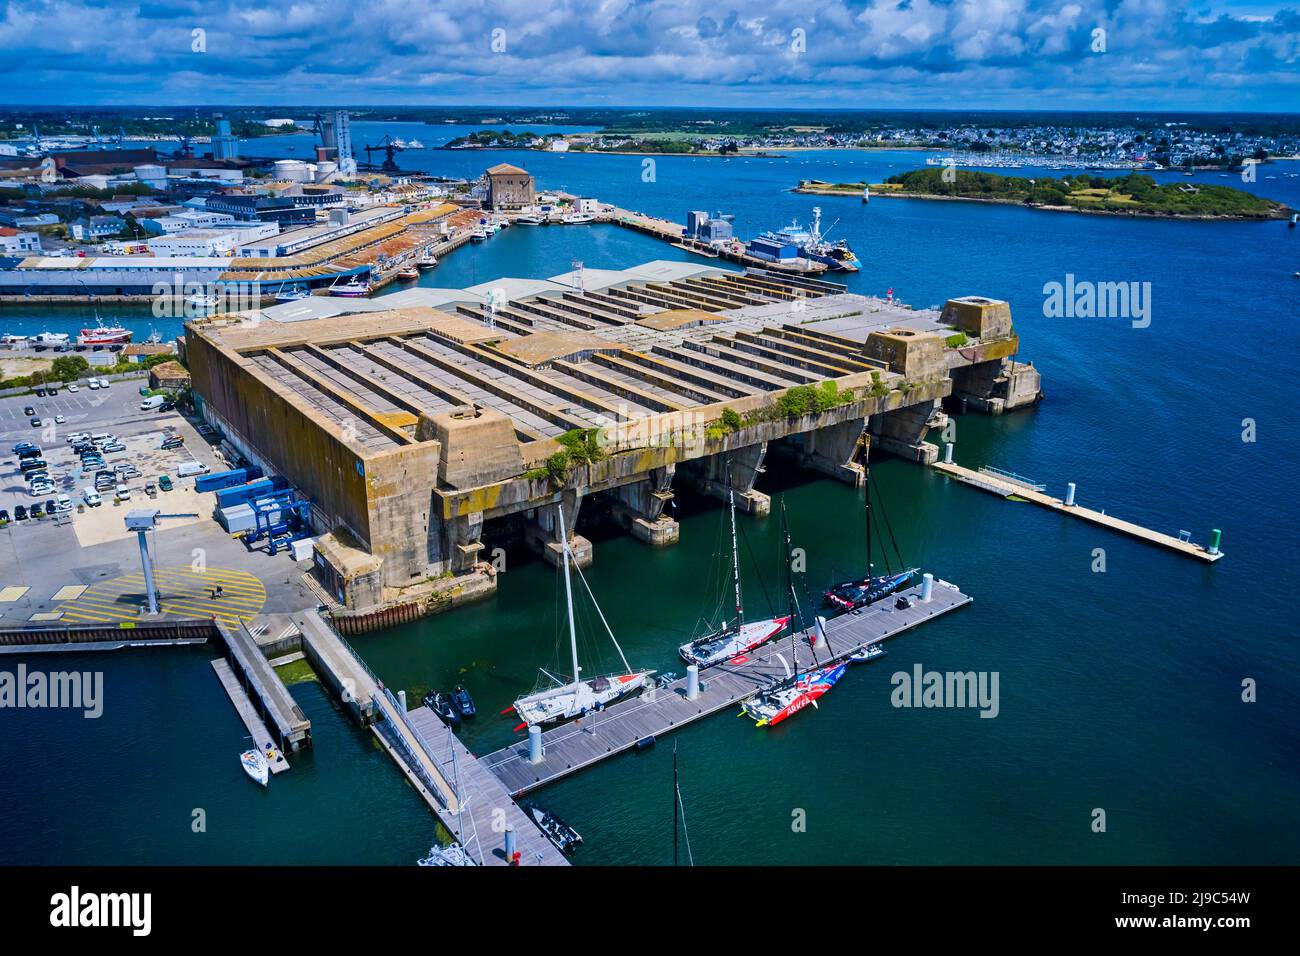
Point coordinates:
[(292, 294), (409, 272), (462, 701), (427, 261), (453, 855), (478, 235), (255, 765), (528, 219), (565, 838), (441, 704), (868, 653)]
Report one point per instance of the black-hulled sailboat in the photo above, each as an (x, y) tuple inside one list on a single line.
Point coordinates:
[(860, 592)]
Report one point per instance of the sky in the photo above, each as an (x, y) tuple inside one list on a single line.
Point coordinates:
[(1215, 55)]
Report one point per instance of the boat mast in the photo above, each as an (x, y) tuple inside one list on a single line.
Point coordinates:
[(674, 803), (866, 490), (568, 595), (735, 554)]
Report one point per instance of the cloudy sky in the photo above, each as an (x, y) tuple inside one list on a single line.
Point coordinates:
[(1229, 55)]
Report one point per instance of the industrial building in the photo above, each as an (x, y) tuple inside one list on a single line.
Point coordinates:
[(417, 423)]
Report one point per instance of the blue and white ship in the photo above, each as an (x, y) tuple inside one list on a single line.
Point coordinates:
[(796, 241)]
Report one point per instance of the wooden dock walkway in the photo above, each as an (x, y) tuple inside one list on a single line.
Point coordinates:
[(248, 714), (483, 800), (1007, 489), (579, 744)]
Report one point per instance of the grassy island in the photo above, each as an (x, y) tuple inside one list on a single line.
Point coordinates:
[(1131, 194)]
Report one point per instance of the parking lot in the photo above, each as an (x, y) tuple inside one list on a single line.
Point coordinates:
[(138, 457), (83, 565)]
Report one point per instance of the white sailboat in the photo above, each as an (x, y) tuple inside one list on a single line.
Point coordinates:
[(580, 696), (255, 765), (736, 637)]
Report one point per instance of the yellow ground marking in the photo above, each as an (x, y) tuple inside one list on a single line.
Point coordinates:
[(68, 592), (46, 616), (12, 593), (185, 593)]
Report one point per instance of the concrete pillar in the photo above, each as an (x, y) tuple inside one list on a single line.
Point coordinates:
[(462, 541), (639, 506), (1069, 495), (535, 753), (947, 453), (927, 586), (692, 681), (542, 533), (839, 451), (746, 465), (902, 432)]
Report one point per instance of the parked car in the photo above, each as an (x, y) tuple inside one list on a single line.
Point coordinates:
[(122, 492), (60, 420), (41, 489), (4, 516), (173, 441), (103, 382), (51, 392), (91, 497), (40, 393), (28, 465), (31, 451), (167, 406), (113, 446), (38, 510), (20, 512), (29, 410), (165, 483), (74, 387), (76, 438), (127, 470), (92, 383), (36, 422), (63, 503), (23, 446)]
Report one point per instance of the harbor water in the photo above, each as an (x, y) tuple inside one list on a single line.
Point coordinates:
[(1119, 690)]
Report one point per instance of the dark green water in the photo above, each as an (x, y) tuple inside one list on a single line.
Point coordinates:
[(1118, 691)]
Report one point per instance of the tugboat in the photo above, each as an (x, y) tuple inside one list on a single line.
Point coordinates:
[(565, 838), (441, 704), (858, 593), (462, 701)]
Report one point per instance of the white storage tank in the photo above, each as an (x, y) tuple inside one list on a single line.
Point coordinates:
[(326, 169), (152, 175), (292, 170)]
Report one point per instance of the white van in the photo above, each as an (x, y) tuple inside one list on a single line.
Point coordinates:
[(91, 497), (64, 503), (122, 492), (152, 402), (191, 468)]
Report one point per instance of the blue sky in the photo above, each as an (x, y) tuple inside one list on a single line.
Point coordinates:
[(1224, 55)]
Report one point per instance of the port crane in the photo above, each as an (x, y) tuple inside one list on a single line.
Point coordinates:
[(388, 148)]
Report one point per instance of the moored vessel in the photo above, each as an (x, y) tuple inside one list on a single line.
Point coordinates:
[(104, 335), (579, 696), (255, 765)]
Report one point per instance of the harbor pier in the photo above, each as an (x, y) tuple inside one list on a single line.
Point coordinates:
[(620, 727)]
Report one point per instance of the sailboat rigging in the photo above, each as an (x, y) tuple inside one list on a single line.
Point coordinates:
[(860, 592), (737, 636), (797, 691), (579, 696)]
